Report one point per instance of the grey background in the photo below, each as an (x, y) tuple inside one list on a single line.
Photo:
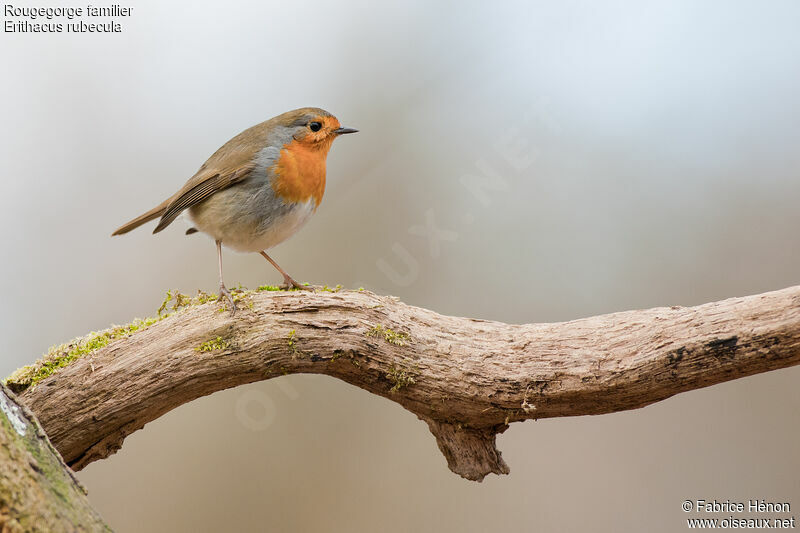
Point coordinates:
[(653, 161)]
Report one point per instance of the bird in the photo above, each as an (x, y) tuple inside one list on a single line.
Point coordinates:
[(258, 189)]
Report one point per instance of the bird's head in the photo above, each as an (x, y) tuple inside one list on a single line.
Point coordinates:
[(312, 127)]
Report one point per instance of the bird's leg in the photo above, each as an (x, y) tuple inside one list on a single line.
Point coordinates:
[(288, 282), (222, 290)]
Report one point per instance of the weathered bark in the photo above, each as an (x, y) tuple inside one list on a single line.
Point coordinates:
[(38, 492), (468, 379)]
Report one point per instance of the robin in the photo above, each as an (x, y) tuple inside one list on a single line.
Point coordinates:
[(258, 189)]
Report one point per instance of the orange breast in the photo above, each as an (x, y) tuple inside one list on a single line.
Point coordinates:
[(300, 172)]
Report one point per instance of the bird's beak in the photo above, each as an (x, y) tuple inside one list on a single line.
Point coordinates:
[(342, 131)]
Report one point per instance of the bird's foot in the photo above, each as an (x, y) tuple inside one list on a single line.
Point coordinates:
[(223, 291), (289, 283)]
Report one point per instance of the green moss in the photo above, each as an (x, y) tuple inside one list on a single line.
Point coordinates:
[(182, 300), (399, 378), (349, 354), (214, 344), (57, 480), (163, 307), (276, 288), (60, 356), (239, 294), (292, 344), (390, 336), (63, 501), (204, 297), (325, 288)]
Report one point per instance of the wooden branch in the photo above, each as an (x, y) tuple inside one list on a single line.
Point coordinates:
[(38, 492), (467, 378)]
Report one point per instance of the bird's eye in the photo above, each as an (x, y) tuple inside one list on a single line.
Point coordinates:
[(314, 126)]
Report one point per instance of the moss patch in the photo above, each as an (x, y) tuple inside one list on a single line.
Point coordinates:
[(60, 356), (291, 342), (389, 335), (204, 297), (400, 378), (239, 294), (276, 288), (349, 354), (183, 300), (325, 288), (214, 344)]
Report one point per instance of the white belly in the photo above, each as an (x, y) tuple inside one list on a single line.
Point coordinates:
[(249, 226), (281, 229)]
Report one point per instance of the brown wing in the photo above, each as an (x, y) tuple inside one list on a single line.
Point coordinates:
[(227, 166), (199, 188)]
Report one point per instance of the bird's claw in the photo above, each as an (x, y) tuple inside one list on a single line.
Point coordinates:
[(289, 283), (223, 291)]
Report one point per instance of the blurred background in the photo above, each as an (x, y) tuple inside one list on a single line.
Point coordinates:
[(517, 161)]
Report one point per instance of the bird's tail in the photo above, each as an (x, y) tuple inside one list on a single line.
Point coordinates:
[(141, 219)]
